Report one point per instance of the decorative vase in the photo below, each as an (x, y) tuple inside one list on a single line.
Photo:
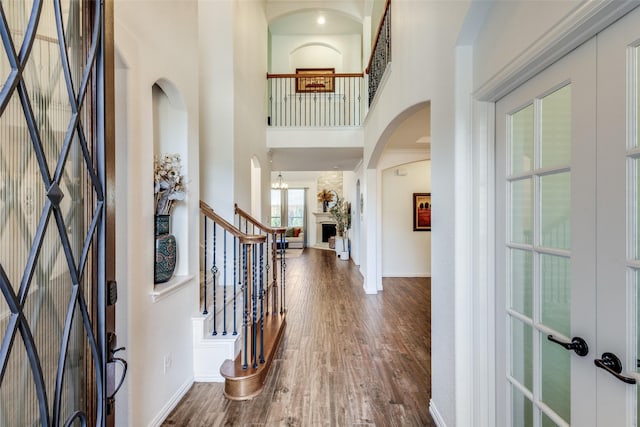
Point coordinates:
[(324, 206), (165, 252)]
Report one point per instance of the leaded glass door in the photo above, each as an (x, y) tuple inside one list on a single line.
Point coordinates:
[(52, 213)]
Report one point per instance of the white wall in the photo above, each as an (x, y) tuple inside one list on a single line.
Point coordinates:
[(377, 10), (342, 52), (510, 27), (217, 104), (430, 28), (250, 117), (405, 253), (153, 44)]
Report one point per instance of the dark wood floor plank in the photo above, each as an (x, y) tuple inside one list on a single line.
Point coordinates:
[(346, 358)]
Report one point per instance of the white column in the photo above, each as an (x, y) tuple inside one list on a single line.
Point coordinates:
[(371, 235)]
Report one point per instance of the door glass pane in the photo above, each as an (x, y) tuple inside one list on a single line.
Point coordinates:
[(521, 353), (555, 280), (636, 141), (521, 409), (636, 204), (522, 140), (556, 378), (555, 213), (522, 281), (555, 128), (546, 421), (17, 13), (637, 290), (521, 211)]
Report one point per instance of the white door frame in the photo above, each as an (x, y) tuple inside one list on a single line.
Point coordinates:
[(475, 133)]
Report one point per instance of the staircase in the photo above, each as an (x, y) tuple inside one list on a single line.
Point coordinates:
[(242, 300)]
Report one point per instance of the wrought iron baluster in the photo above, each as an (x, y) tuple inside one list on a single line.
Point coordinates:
[(245, 297), (283, 291), (261, 303), (224, 289), (267, 268), (274, 255), (236, 263), (214, 272), (254, 306), (204, 272)]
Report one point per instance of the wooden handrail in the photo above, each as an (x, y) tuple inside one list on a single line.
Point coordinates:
[(384, 15), (252, 220), (304, 76), (244, 238)]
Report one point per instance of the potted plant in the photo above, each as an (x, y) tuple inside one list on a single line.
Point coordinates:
[(341, 213)]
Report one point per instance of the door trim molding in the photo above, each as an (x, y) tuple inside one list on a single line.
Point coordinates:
[(584, 22)]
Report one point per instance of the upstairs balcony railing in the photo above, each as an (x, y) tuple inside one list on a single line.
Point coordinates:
[(315, 99), (381, 53)]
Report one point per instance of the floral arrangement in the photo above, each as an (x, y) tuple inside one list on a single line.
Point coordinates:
[(325, 196), (169, 184), (341, 213)]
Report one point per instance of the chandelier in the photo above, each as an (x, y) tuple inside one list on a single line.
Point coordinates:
[(279, 184)]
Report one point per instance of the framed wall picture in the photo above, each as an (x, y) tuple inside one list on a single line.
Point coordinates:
[(317, 81), (421, 211)]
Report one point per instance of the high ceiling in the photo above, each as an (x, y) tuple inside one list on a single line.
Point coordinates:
[(306, 22), (341, 17), (356, 9)]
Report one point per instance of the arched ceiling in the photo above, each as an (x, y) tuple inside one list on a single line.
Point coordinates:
[(351, 8), (305, 22)]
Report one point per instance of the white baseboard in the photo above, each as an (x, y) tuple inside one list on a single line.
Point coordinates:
[(171, 404), (392, 275), (437, 418)]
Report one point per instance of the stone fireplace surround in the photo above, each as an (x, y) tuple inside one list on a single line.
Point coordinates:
[(322, 218)]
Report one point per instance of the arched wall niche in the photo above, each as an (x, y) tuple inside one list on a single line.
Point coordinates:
[(316, 55), (170, 136), (318, 44)]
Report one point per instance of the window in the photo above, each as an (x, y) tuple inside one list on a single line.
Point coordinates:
[(288, 207), (295, 207), (276, 208)]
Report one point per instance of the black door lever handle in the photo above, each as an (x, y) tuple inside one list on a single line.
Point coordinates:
[(612, 364), (577, 344)]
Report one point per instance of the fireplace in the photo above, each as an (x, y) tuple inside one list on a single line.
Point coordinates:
[(325, 227), (328, 230)]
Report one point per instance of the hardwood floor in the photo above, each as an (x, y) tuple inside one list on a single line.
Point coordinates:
[(347, 358)]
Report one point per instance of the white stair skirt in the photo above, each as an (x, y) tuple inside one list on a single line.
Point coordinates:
[(209, 351)]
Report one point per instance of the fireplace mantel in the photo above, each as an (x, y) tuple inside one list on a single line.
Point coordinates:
[(322, 218)]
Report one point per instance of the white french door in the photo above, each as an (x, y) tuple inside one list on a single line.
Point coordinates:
[(568, 238)]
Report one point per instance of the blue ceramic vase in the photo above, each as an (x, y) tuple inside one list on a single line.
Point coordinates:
[(165, 252)]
